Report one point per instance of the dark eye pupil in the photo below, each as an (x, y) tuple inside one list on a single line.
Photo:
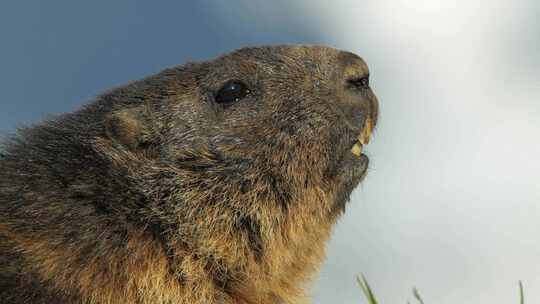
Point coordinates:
[(232, 91)]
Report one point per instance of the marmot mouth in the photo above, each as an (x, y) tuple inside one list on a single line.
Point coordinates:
[(363, 138)]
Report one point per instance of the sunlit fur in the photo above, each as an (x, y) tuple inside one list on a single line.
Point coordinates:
[(154, 193)]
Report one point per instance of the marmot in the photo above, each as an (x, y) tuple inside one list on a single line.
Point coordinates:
[(210, 182)]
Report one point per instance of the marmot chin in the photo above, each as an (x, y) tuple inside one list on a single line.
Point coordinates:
[(210, 182)]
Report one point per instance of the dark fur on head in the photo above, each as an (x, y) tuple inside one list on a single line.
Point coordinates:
[(156, 193)]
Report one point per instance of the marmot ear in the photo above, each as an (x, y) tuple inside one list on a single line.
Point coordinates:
[(129, 127)]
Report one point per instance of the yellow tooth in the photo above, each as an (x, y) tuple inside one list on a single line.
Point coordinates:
[(356, 149), (365, 137)]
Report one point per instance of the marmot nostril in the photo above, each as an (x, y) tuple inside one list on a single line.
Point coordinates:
[(358, 82)]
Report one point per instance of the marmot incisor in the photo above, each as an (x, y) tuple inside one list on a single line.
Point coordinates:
[(211, 182)]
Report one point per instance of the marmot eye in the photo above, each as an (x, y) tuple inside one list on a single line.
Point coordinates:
[(233, 90)]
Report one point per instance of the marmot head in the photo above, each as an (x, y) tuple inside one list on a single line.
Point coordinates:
[(296, 115), (247, 155)]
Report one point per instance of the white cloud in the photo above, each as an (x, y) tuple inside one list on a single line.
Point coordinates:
[(452, 204)]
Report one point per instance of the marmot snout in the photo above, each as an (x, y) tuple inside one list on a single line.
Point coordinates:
[(211, 182)]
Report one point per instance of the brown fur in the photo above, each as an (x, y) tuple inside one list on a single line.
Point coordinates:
[(156, 193)]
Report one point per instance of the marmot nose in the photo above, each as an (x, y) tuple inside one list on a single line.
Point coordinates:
[(357, 101)]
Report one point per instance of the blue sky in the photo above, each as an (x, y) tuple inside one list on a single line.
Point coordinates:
[(57, 55), (451, 203)]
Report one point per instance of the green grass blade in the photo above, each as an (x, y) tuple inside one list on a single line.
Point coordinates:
[(366, 289), (417, 296), (521, 296)]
